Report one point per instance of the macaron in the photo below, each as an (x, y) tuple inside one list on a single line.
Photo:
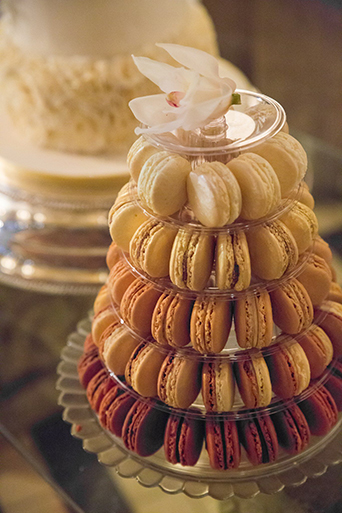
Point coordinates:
[(114, 409), (144, 428), (334, 383), (303, 224), (335, 292), (258, 437), (137, 155), (183, 439), (191, 260), (106, 402), (210, 323), (150, 247), (137, 305), (289, 368), (102, 299), (124, 219), (170, 323), (116, 345), (222, 442), (320, 411), (232, 261), (259, 184), (322, 249), (101, 321), (119, 279), (292, 429), (273, 250), (316, 278), (97, 388), (253, 380), (304, 195), (88, 366), (114, 254), (253, 320), (88, 343), (329, 317), (318, 349), (214, 194), (218, 385), (179, 381), (142, 369), (287, 157), (162, 183), (292, 307)]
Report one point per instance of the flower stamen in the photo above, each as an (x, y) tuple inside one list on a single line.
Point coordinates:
[(174, 98)]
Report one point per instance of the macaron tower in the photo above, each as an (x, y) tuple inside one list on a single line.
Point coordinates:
[(217, 337)]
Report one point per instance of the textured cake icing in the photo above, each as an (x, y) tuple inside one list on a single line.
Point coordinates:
[(69, 87)]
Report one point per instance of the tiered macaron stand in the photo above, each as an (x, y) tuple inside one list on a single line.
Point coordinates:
[(202, 479)]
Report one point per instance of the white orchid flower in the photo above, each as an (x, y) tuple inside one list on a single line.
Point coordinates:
[(194, 95)]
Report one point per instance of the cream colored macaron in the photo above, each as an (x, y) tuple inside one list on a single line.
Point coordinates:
[(287, 157), (137, 155), (162, 183), (214, 194), (259, 184), (123, 220)]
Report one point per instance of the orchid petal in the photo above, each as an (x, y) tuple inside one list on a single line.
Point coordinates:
[(149, 110), (192, 58), (160, 129), (199, 114), (166, 77)]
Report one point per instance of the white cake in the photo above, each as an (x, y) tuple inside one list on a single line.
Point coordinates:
[(66, 69)]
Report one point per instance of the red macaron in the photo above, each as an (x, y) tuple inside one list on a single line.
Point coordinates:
[(144, 427), (183, 440), (222, 442), (320, 411), (97, 388), (292, 429), (88, 365), (259, 438), (334, 383)]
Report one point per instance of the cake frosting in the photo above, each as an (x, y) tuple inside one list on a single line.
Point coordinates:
[(66, 69)]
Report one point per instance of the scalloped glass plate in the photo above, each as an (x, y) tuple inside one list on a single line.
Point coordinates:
[(200, 480)]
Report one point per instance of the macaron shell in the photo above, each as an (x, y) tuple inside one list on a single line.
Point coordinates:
[(88, 366), (289, 368), (144, 427), (162, 182), (108, 399), (101, 321), (334, 384), (102, 299), (210, 324), (179, 381), (117, 412), (143, 368), (97, 387), (329, 317), (292, 307), (322, 249), (222, 443), (137, 155), (316, 278), (233, 264), (273, 250), (218, 386), (192, 259), (303, 224), (137, 306), (304, 196), (253, 381), (287, 157), (119, 279), (150, 248), (124, 222), (190, 440), (117, 349), (259, 184), (114, 254), (171, 320), (318, 349), (253, 320), (292, 429), (335, 293), (214, 194), (320, 411)]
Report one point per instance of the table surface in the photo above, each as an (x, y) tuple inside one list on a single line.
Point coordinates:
[(33, 330)]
